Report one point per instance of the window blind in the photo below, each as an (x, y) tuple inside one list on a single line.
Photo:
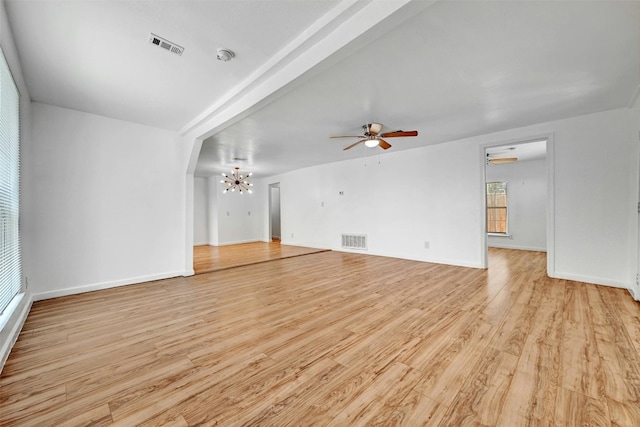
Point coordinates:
[(10, 265)]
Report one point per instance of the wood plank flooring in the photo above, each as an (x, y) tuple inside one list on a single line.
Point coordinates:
[(213, 258), (333, 339)]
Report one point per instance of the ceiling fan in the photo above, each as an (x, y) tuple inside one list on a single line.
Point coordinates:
[(501, 160), (501, 156), (373, 138)]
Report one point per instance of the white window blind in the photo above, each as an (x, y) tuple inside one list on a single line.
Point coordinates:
[(10, 265)]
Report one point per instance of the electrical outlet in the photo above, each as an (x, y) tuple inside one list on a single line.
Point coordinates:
[(26, 283), (249, 213), (292, 235), (426, 244)]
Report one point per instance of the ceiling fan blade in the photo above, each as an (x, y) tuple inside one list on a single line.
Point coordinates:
[(374, 128), (384, 144), (348, 147), (347, 136), (400, 133), (503, 160)]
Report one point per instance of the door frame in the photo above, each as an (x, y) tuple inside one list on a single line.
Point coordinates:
[(550, 168), (271, 187)]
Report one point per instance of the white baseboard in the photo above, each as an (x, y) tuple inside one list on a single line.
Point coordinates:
[(13, 325), (409, 257), (104, 285), (591, 279), (237, 242), (455, 263), (634, 290), (304, 245), (516, 247)]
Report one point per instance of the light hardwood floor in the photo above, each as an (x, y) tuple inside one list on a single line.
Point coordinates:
[(333, 339), (213, 258)]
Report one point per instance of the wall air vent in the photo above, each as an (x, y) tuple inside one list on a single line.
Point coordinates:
[(354, 241), (165, 44)]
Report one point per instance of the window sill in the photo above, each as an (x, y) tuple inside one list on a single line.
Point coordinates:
[(498, 235)]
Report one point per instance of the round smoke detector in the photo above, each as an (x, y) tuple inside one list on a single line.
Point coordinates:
[(225, 55)]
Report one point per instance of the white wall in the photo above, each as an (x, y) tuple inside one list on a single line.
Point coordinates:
[(527, 204), (435, 194), (108, 200), (594, 199), (200, 211), (212, 211), (635, 182), (224, 219), (239, 217), (399, 200), (11, 321)]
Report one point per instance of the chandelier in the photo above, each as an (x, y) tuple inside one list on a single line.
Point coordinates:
[(236, 181)]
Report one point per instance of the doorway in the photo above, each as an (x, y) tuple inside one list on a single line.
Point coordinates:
[(274, 213), (521, 216), (636, 289)]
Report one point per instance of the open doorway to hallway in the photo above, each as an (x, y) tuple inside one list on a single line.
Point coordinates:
[(274, 212), (517, 193)]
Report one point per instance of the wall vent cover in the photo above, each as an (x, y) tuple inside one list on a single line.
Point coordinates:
[(354, 241), (165, 44)]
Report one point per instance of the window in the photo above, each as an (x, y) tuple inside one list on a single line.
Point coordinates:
[(10, 269), (497, 207)]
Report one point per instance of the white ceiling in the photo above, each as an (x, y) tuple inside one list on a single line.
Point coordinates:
[(95, 56), (534, 150), (450, 70)]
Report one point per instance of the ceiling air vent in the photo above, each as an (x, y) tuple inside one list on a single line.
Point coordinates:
[(165, 44)]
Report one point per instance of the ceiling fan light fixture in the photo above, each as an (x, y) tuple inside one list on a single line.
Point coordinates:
[(371, 143), (372, 137)]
